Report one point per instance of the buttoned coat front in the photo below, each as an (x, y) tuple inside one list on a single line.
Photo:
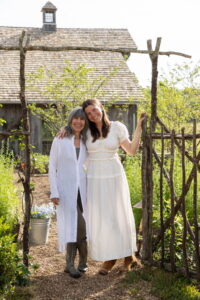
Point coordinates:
[(67, 175)]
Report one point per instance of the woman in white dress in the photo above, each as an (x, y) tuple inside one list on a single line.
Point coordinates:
[(68, 190), (110, 220)]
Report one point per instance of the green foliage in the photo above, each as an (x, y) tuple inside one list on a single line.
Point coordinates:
[(21, 293), (178, 96), (22, 274), (12, 271), (8, 255), (164, 285), (67, 90), (9, 199), (39, 163), (169, 286), (132, 166)]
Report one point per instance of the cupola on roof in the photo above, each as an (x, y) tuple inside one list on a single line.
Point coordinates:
[(49, 17), (49, 6)]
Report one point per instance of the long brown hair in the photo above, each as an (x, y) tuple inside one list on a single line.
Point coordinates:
[(105, 120)]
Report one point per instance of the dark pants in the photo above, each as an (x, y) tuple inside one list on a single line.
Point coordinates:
[(81, 227), (80, 244)]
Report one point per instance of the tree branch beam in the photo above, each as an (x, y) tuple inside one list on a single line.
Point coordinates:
[(15, 133), (94, 49)]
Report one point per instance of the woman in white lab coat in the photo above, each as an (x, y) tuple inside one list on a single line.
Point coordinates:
[(68, 190)]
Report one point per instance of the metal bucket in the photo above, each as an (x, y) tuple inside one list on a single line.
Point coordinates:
[(39, 231)]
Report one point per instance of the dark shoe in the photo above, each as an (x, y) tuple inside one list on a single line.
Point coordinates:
[(107, 266), (82, 248), (72, 272), (70, 257)]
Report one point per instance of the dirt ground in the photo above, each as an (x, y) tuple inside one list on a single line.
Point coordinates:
[(51, 283)]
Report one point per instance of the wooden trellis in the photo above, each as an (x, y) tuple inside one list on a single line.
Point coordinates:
[(177, 203), (148, 151)]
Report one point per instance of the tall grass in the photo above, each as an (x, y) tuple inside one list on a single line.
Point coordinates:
[(9, 198)]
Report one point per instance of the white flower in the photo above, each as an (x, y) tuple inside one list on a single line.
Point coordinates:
[(44, 211)]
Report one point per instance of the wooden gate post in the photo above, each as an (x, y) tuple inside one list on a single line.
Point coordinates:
[(147, 160), (26, 127), (147, 185)]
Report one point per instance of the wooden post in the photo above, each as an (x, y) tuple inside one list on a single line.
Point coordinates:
[(144, 187), (161, 199), (196, 225), (26, 127), (154, 78), (147, 178), (172, 239), (146, 197), (185, 258)]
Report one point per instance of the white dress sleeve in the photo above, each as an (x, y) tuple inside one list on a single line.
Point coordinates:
[(53, 163), (122, 132)]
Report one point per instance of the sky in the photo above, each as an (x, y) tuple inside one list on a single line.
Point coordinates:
[(177, 22)]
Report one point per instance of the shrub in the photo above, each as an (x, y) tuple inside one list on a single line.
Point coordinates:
[(8, 259), (9, 198), (12, 271)]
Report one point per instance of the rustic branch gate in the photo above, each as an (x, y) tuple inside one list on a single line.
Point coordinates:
[(177, 203), (147, 141)]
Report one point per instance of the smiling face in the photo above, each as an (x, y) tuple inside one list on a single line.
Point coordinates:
[(94, 113), (77, 125)]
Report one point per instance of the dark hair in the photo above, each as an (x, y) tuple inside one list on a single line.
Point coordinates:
[(75, 113), (105, 120)]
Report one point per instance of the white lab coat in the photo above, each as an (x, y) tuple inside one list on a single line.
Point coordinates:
[(66, 176)]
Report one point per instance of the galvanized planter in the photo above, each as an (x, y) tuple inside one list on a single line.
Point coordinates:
[(39, 231)]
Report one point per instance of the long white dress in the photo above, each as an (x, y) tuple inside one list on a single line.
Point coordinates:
[(111, 225)]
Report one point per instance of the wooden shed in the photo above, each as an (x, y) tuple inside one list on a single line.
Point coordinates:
[(117, 43)]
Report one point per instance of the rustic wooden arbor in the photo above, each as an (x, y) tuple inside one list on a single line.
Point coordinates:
[(148, 151), (177, 202)]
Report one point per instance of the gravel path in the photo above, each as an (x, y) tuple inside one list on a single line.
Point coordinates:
[(51, 283)]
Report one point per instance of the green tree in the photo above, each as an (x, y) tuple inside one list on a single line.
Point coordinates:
[(178, 96), (68, 89)]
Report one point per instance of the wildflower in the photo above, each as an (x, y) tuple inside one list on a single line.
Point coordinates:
[(42, 211)]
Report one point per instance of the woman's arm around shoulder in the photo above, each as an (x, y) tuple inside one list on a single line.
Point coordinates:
[(131, 147), (61, 133)]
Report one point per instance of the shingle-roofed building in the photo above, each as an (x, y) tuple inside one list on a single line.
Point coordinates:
[(117, 44), (78, 37)]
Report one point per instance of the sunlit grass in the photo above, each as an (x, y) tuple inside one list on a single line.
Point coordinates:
[(164, 285)]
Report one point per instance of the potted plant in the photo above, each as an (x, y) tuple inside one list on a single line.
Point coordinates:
[(40, 223)]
